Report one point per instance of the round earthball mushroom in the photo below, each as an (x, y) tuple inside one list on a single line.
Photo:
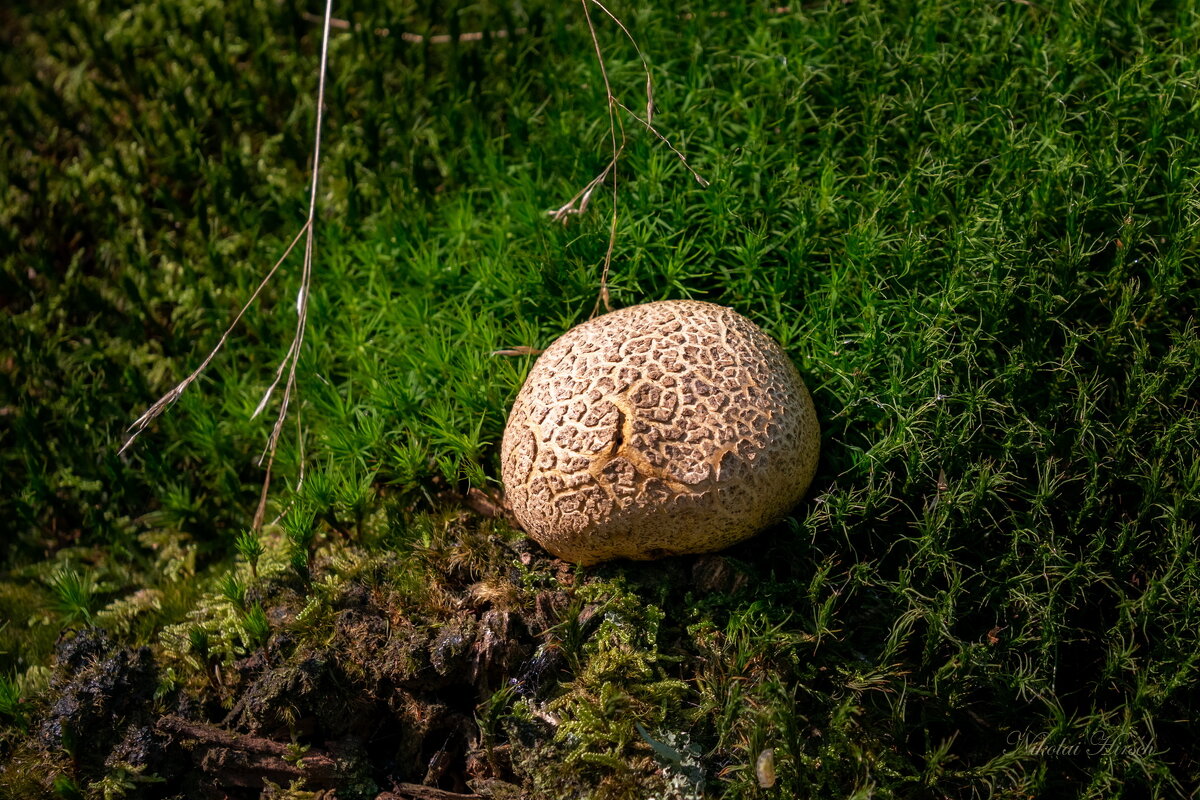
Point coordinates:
[(659, 429)]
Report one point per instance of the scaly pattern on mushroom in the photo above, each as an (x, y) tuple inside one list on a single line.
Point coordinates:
[(663, 428)]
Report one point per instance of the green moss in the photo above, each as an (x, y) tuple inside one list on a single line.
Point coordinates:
[(618, 679), (972, 228), (26, 639)]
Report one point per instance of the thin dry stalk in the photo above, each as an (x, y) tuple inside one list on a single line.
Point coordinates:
[(167, 400), (613, 123), (578, 204), (641, 56), (646, 124), (292, 357)]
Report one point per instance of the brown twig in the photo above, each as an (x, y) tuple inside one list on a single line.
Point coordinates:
[(519, 350), (484, 503)]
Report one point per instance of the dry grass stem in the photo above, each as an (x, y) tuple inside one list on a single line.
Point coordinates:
[(646, 123), (641, 57), (291, 359), (519, 350), (167, 400), (257, 523), (293, 355), (614, 122), (578, 204)]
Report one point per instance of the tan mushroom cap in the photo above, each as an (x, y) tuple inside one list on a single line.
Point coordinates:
[(663, 428)]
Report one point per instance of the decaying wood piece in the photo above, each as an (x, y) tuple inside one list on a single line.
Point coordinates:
[(415, 791), (245, 760)]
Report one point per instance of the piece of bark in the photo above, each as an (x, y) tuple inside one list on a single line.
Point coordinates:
[(247, 761), (416, 791)]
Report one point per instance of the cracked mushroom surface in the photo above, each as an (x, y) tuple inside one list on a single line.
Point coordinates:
[(664, 428)]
